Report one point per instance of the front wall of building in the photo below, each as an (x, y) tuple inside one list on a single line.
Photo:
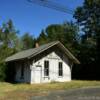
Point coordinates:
[(37, 68)]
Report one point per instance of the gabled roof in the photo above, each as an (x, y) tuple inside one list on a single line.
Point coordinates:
[(34, 51)]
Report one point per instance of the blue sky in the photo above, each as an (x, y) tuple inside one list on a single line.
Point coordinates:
[(32, 18)]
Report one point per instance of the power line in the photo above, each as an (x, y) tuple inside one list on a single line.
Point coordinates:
[(52, 5)]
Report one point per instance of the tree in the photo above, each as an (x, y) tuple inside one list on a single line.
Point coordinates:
[(27, 41), (88, 17), (8, 37), (67, 33), (42, 39)]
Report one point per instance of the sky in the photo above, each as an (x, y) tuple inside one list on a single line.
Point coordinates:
[(32, 18)]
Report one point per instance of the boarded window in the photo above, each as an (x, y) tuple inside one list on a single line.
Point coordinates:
[(60, 69), (46, 68), (22, 71)]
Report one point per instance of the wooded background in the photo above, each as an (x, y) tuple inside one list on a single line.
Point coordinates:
[(82, 38)]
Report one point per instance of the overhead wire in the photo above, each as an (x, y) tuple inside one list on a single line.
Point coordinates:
[(52, 5)]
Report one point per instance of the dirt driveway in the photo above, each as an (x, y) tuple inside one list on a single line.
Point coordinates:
[(75, 94)]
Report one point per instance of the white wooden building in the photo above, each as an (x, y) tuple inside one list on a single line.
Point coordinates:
[(47, 63)]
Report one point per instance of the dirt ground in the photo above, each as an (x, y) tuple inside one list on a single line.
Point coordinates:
[(74, 94)]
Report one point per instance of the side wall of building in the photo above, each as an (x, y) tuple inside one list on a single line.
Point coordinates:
[(26, 72)]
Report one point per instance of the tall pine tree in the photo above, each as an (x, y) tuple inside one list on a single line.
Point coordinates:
[(88, 17)]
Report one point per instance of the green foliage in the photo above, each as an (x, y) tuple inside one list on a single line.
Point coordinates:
[(27, 41), (42, 39), (88, 17), (2, 71), (8, 37), (67, 33)]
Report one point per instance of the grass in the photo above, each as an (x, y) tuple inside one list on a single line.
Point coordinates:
[(10, 91)]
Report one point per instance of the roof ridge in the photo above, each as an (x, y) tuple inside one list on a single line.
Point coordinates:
[(49, 45), (37, 47)]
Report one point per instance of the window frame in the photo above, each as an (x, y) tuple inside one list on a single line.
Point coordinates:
[(60, 69), (46, 68)]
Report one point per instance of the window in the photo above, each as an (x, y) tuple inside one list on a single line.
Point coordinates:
[(22, 71), (46, 68), (60, 69)]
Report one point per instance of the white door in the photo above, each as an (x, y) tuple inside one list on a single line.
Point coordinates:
[(38, 74)]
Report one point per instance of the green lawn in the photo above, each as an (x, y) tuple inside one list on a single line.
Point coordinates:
[(25, 91)]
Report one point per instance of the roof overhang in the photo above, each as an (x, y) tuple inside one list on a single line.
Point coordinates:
[(59, 44)]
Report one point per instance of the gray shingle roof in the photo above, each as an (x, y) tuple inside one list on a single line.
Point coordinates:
[(34, 51)]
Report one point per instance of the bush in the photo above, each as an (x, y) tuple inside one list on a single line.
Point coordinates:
[(2, 71)]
